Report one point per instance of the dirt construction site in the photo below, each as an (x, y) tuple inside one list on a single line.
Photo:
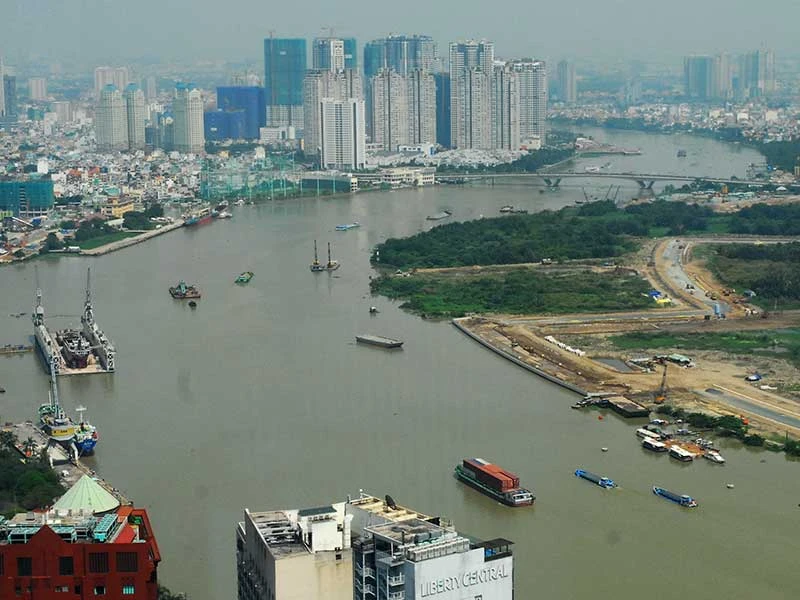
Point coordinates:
[(576, 349)]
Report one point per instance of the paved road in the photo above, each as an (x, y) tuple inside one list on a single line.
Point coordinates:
[(751, 406)]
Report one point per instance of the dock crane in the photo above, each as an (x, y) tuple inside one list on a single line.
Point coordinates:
[(661, 396)]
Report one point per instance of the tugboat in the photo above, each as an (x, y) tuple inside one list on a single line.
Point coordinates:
[(245, 277), (79, 439), (603, 482), (183, 291), (682, 499), (493, 481), (331, 265), (681, 153), (316, 266)]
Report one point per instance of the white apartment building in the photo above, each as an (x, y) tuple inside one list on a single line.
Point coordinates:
[(187, 109), (403, 109), (532, 97), (110, 120), (116, 76), (470, 115), (135, 113), (343, 134), (505, 108), (318, 85)]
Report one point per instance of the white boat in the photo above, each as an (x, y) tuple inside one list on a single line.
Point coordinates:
[(714, 457), (224, 215), (654, 445), (681, 454), (592, 169)]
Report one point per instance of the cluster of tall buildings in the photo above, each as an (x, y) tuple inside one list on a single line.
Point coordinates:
[(722, 78), (366, 549), (401, 98), (119, 119)]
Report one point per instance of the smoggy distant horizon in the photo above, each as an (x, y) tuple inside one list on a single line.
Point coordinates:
[(608, 31)]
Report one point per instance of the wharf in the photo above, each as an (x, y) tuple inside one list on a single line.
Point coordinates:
[(87, 370), (624, 406), (69, 470), (131, 241)]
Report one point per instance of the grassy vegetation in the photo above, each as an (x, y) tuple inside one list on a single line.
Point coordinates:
[(106, 239), (784, 343), (770, 270), (519, 291)]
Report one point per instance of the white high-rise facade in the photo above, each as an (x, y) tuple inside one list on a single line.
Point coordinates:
[(37, 88), (111, 125), (422, 107), (403, 109), (342, 134), (116, 76), (187, 109), (390, 114), (318, 85), (134, 106), (505, 108), (532, 98), (470, 74)]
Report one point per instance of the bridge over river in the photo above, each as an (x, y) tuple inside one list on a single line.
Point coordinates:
[(553, 179)]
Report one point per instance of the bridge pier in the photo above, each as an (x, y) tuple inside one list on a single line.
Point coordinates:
[(552, 183), (645, 184)]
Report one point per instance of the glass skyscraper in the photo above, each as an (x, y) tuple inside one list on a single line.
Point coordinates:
[(405, 54), (284, 68), (249, 99)]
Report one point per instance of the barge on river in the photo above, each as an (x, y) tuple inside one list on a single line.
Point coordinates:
[(603, 482), (682, 499), (377, 340), (493, 481)]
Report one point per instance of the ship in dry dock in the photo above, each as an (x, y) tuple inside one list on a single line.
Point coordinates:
[(74, 351)]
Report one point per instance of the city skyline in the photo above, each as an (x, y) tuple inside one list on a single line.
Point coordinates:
[(582, 27)]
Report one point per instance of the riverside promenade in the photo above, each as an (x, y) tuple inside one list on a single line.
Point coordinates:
[(119, 245)]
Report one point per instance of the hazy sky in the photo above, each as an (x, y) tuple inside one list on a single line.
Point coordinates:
[(102, 30)]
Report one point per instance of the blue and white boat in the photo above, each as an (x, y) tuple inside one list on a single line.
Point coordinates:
[(603, 482), (682, 499), (347, 226)]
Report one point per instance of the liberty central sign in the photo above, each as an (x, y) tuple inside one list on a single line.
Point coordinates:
[(468, 579)]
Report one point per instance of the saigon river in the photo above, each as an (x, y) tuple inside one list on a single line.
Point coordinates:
[(260, 398)]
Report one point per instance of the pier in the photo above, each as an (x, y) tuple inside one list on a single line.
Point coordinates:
[(31, 441), (131, 241)]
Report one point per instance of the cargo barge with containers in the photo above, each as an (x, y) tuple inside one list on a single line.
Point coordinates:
[(493, 481)]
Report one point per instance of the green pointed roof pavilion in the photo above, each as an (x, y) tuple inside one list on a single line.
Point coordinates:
[(86, 496)]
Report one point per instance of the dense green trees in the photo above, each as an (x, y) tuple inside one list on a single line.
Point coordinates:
[(91, 229), (521, 291), (770, 270), (24, 485), (595, 230), (783, 155)]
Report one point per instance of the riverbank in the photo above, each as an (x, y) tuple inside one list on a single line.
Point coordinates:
[(131, 241)]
